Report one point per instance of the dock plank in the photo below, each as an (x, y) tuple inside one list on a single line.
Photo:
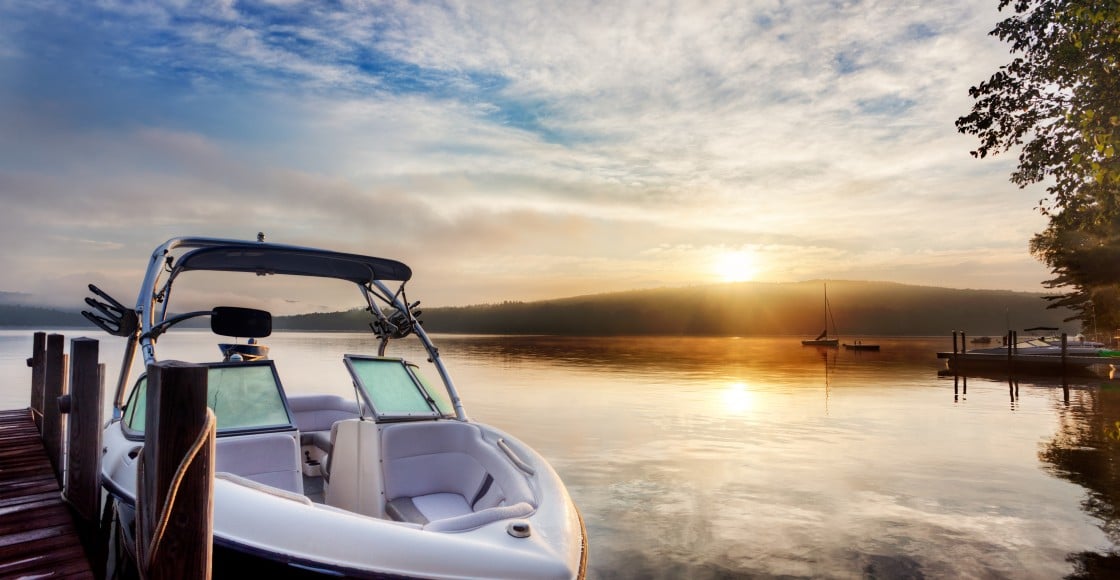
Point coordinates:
[(37, 533)]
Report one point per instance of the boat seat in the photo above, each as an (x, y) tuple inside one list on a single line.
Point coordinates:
[(268, 458), (446, 477), (315, 415), (352, 472)]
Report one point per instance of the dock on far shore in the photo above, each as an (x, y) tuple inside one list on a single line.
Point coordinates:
[(1011, 359)]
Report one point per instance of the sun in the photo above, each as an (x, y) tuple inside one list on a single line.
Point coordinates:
[(736, 266)]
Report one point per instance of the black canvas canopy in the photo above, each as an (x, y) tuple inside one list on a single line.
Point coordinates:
[(263, 259)]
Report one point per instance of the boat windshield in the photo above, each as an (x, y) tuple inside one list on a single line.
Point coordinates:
[(245, 396), (395, 390)]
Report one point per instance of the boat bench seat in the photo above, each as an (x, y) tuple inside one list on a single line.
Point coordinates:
[(446, 477), (316, 414), (268, 458)]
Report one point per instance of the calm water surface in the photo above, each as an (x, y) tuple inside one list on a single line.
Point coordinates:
[(725, 457)]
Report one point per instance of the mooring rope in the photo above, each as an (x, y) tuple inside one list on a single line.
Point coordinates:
[(145, 554)]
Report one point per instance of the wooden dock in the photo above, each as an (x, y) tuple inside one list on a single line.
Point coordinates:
[(1011, 360), (50, 472), (38, 537)]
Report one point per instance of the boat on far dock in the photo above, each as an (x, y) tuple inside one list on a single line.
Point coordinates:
[(1036, 354)]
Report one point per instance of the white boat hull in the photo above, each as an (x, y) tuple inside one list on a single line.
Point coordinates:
[(257, 522)]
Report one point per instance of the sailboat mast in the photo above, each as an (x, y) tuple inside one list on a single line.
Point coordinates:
[(826, 310), (828, 315)]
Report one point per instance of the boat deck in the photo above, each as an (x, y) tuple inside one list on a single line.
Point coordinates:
[(38, 538)]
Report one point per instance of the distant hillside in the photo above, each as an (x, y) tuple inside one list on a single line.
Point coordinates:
[(744, 309), (32, 316), (751, 308)]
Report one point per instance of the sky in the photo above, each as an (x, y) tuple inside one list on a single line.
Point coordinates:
[(508, 150)]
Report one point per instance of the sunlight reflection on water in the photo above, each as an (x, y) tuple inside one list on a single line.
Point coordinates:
[(718, 457)]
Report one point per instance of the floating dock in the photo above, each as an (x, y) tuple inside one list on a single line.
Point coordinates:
[(38, 537)]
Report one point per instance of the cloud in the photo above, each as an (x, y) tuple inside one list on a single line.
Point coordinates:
[(545, 147)]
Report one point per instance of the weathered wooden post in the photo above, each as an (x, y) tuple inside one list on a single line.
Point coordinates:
[(38, 362), (179, 429), (1010, 349), (82, 487), (54, 386), (956, 359), (1065, 347)]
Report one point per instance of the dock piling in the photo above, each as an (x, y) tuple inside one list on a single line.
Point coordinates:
[(179, 429), (1065, 347), (38, 362), (82, 485), (54, 386)]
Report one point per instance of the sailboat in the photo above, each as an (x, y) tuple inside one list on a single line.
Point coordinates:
[(822, 339)]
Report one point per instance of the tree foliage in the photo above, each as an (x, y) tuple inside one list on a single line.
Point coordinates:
[(1058, 102)]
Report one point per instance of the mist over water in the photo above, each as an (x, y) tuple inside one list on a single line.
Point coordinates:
[(728, 457)]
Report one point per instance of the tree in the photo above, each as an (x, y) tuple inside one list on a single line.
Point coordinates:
[(1059, 102)]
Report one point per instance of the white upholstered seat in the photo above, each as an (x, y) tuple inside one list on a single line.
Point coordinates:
[(444, 475), (315, 414), (268, 458)]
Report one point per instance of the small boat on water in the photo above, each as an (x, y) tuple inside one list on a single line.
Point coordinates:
[(247, 352), (394, 481), (859, 345), (823, 339)]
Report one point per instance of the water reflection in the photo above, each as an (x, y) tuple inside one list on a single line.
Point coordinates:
[(736, 399), (1086, 451), (725, 458)]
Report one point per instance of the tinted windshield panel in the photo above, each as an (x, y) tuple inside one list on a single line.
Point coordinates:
[(438, 395), (389, 387), (245, 396), (242, 396)]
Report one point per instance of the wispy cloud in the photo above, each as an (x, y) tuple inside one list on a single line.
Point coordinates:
[(523, 150)]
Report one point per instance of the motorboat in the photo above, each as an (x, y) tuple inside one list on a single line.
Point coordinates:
[(860, 346), (394, 482), (1047, 346), (243, 351)]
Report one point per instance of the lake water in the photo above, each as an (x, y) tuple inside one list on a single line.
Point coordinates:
[(733, 457)]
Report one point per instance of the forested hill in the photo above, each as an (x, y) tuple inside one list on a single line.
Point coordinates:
[(751, 308), (32, 316), (745, 309)]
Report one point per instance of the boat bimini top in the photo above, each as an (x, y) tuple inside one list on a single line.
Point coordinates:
[(393, 316)]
